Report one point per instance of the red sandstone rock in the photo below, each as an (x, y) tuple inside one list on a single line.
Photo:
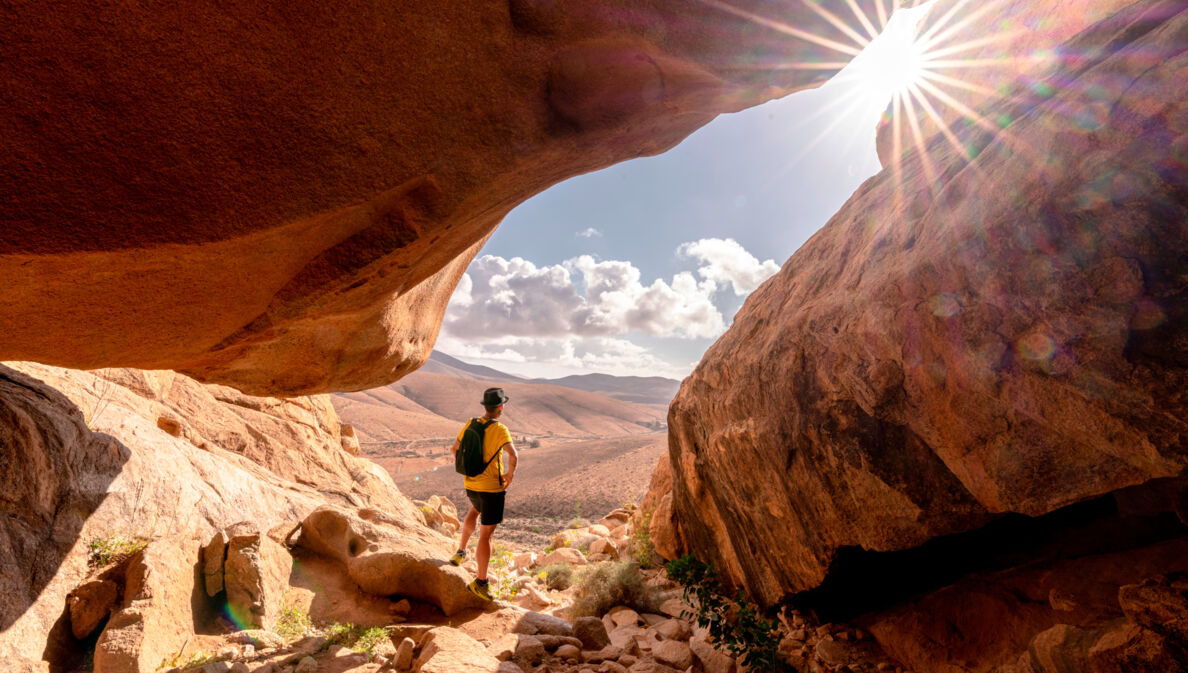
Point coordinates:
[(282, 196), (1007, 337), (90, 460)]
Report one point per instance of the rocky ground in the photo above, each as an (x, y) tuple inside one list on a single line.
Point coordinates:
[(276, 608)]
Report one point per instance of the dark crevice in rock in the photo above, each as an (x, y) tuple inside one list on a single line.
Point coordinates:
[(861, 582)]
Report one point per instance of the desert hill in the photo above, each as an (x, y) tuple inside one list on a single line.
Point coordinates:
[(642, 389), (440, 363), (432, 402)]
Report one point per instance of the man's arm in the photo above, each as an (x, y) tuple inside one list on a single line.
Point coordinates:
[(457, 445), (511, 463)]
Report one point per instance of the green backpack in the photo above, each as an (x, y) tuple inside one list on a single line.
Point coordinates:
[(469, 458)]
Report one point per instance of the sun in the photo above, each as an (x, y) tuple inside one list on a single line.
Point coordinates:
[(896, 61)]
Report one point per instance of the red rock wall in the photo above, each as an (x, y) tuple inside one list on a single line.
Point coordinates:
[(281, 196), (1006, 334)]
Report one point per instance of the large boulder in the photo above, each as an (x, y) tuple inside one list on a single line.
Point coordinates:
[(256, 576), (448, 650), (386, 556), (282, 196), (95, 462), (158, 615), (1006, 334)]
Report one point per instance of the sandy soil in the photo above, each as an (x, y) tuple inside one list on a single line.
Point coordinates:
[(558, 482)]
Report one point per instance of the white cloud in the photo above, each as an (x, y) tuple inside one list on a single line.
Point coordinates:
[(589, 232), (725, 261), (577, 316), (500, 297)]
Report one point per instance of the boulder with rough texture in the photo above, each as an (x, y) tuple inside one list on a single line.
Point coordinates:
[(95, 462), (214, 554), (256, 575), (592, 632), (448, 650), (90, 603), (1004, 334), (387, 556), (158, 614), (567, 555), (529, 650), (710, 659), (404, 654), (534, 623), (332, 172), (673, 653)]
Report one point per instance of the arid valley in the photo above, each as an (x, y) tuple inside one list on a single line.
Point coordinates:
[(582, 452)]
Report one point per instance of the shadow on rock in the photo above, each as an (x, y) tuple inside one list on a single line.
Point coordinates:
[(55, 473)]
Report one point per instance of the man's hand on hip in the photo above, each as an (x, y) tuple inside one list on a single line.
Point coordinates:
[(507, 479)]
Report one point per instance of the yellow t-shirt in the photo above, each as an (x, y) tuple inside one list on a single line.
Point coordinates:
[(489, 481)]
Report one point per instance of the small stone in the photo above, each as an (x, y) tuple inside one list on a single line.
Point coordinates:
[(628, 660), (401, 607), (530, 649), (306, 665), (673, 653), (569, 652), (674, 629), (404, 655), (227, 652), (832, 652), (624, 616), (592, 632)]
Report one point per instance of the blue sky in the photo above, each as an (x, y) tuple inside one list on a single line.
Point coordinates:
[(637, 268)]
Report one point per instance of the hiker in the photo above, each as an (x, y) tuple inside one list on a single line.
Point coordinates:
[(487, 489)]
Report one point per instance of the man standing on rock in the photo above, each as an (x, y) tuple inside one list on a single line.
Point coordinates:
[(487, 490)]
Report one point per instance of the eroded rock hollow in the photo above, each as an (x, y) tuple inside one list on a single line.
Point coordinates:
[(281, 196)]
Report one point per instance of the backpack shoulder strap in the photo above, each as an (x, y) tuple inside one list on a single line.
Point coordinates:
[(497, 451)]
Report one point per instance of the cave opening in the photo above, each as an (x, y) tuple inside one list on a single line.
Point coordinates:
[(862, 582)]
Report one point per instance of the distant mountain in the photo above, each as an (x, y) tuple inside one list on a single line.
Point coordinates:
[(434, 401), (440, 363), (645, 390)]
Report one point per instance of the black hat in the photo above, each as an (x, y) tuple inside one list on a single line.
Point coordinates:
[(493, 397)]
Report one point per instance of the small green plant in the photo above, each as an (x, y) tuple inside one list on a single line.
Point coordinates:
[(642, 549), (557, 577), (113, 547), (357, 638), (191, 660), (502, 582), (611, 584), (732, 623), (293, 622)]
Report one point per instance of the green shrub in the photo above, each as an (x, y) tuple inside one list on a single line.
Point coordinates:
[(642, 550), (357, 638), (732, 623), (558, 576), (192, 660), (293, 622), (113, 547), (610, 584)]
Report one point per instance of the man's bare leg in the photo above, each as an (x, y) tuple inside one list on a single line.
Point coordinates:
[(468, 527), (483, 555)]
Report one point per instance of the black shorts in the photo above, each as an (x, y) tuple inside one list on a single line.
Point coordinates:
[(489, 505)]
